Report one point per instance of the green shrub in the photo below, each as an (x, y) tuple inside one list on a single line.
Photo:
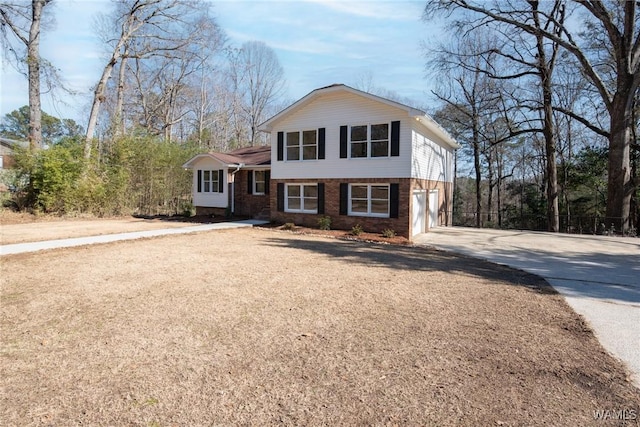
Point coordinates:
[(289, 226), (356, 230), (188, 210), (324, 222), (388, 233)]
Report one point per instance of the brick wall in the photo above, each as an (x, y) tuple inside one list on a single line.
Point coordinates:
[(332, 207), (248, 204), (401, 225), (204, 210)]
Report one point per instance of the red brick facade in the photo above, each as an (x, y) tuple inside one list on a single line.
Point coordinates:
[(401, 225), (248, 204)]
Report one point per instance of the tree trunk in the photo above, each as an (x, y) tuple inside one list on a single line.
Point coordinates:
[(545, 71), (98, 97), (478, 171), (553, 214), (619, 185), (119, 124), (98, 94), (490, 184), (33, 64)]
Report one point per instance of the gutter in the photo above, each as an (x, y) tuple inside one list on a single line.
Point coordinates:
[(233, 186)]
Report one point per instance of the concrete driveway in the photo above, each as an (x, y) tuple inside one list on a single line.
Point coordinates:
[(598, 276)]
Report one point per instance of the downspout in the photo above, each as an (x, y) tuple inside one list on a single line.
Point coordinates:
[(233, 187)]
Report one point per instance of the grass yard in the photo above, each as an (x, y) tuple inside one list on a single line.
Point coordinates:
[(262, 327)]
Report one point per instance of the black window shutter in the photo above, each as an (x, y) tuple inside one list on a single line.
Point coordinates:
[(280, 196), (199, 181), (395, 138), (221, 181), (249, 182), (321, 198), (343, 142), (394, 200), (321, 132), (280, 146), (267, 181), (344, 198)]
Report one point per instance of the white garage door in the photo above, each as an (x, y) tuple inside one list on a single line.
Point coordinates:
[(419, 213), (433, 208)]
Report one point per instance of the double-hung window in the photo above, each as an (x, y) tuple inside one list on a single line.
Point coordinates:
[(359, 141), (379, 140), (210, 181), (369, 200), (302, 145), (301, 198), (259, 182), (369, 140)]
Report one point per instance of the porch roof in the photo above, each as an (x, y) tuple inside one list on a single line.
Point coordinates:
[(246, 156)]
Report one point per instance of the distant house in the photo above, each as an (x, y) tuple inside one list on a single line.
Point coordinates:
[(7, 147), (356, 157)]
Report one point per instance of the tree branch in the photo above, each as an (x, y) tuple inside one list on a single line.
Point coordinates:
[(582, 120)]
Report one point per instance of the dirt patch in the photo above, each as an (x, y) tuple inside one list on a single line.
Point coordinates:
[(261, 327)]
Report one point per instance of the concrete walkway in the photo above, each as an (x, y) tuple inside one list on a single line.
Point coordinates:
[(598, 276), (19, 248)]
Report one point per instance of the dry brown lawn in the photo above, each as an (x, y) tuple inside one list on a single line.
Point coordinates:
[(262, 327), (21, 228)]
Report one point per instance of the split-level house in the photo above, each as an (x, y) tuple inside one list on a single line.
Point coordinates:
[(347, 154)]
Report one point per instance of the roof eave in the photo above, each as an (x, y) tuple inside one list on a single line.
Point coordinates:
[(433, 126), (191, 161)]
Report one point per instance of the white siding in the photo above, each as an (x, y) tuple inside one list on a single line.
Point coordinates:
[(431, 160), (330, 111), (209, 200)]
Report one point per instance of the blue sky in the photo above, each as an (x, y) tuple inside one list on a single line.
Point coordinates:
[(318, 42)]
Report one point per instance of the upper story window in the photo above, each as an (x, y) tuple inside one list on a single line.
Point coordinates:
[(302, 145), (369, 141)]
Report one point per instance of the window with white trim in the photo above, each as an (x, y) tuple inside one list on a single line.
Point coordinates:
[(210, 181), (259, 182), (369, 200), (369, 140), (302, 145), (301, 198)]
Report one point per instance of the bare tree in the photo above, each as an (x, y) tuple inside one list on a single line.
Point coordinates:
[(259, 80), (469, 95), (169, 31), (620, 32), (164, 81), (23, 22), (486, 104)]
